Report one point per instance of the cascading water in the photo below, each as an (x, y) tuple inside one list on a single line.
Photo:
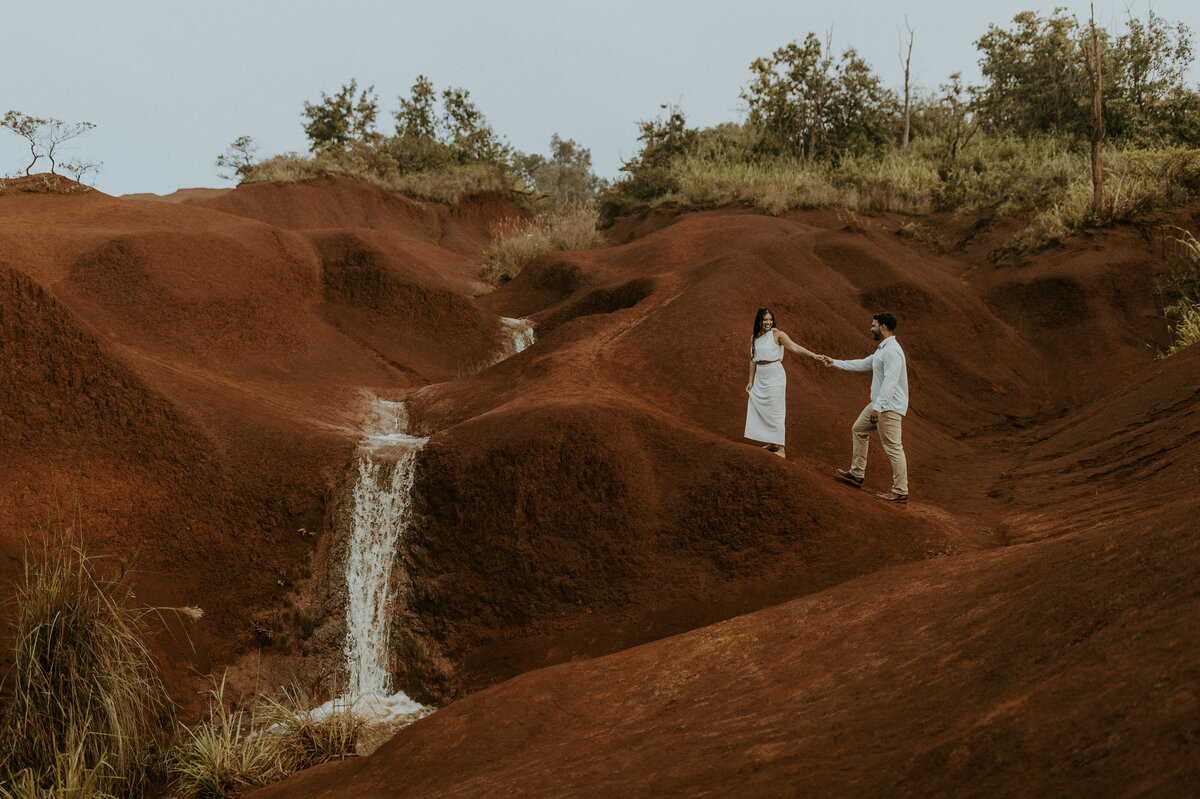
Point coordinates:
[(382, 496), (520, 332)]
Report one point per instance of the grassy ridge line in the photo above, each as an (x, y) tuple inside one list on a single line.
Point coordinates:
[(446, 184), (1041, 181)]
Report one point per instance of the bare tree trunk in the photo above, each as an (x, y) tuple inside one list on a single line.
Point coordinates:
[(907, 95), (800, 118), (1093, 65)]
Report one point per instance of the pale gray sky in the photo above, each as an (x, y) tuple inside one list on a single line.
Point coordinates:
[(170, 85)]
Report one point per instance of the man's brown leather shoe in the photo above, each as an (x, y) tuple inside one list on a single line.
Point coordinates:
[(846, 477), (892, 496)]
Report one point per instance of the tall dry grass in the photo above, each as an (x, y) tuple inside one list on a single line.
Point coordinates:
[(88, 712), (1182, 286), (516, 242)]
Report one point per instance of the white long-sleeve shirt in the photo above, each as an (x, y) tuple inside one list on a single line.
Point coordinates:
[(889, 376)]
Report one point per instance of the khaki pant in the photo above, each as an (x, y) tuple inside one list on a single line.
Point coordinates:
[(889, 436)]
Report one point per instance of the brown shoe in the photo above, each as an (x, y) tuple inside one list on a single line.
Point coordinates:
[(847, 477), (892, 496)]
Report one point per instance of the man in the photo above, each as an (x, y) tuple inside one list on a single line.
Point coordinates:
[(889, 404)]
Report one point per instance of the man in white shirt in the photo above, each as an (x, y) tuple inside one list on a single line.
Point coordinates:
[(888, 405)]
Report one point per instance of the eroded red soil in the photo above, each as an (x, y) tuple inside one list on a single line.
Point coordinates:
[(197, 372)]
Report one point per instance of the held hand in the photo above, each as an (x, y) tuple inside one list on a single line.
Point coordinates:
[(825, 359)]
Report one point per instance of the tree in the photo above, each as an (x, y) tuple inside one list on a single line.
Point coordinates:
[(805, 104), (907, 61), (860, 114), (238, 158), (957, 125), (417, 116), (1148, 101), (1037, 80), (78, 169), (664, 139), (45, 136), (1034, 76), (786, 94), (426, 139), (336, 121), (566, 175), (468, 132)]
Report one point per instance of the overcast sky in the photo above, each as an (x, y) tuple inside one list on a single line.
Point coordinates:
[(169, 85)]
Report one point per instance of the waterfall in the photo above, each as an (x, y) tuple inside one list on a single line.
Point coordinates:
[(520, 332), (382, 497)]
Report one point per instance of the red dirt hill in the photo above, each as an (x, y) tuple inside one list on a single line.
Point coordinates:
[(198, 372), (1058, 662)]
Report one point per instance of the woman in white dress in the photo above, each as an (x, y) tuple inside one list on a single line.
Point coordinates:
[(768, 382)]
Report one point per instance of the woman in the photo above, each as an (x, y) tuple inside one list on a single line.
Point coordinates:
[(768, 382)]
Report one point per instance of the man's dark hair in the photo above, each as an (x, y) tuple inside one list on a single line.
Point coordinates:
[(886, 319)]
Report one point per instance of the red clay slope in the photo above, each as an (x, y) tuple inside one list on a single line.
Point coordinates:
[(1064, 666), (203, 371)]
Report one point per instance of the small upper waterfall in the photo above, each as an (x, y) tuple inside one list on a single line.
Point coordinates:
[(520, 332), (382, 491)]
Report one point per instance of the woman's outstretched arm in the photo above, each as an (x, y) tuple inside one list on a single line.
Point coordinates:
[(783, 339)]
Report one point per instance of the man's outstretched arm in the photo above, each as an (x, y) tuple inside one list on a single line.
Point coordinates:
[(861, 365)]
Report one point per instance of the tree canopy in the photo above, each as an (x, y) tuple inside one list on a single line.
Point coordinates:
[(1036, 80), (806, 103), (566, 174), (45, 136)]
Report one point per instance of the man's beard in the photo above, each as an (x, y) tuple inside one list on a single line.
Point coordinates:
[(876, 335)]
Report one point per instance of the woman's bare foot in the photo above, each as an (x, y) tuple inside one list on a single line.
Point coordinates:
[(779, 451), (770, 447)]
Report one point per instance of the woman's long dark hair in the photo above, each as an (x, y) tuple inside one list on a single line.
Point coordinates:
[(758, 328)]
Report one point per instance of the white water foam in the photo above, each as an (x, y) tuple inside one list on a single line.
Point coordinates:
[(520, 333), (382, 510)]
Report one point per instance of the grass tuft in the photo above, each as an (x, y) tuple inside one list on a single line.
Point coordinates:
[(305, 738), (87, 709), (237, 748), (1181, 285), (222, 754)]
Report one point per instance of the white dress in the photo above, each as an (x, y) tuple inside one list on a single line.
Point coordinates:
[(765, 411)]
